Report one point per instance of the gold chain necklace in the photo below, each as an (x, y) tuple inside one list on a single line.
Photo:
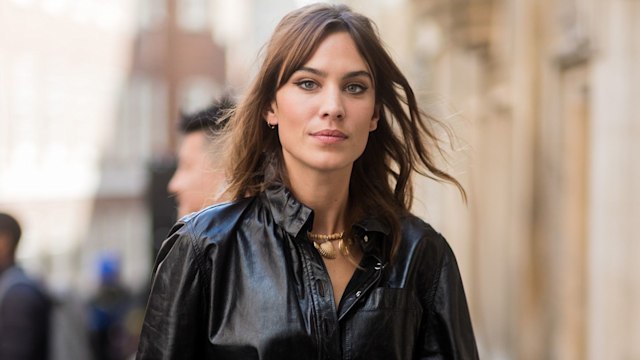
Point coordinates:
[(322, 243)]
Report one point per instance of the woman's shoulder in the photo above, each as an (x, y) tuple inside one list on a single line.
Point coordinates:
[(424, 254), (419, 238), (416, 230), (211, 224), (218, 213), (216, 218)]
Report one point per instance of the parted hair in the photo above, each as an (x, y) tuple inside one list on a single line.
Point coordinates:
[(403, 143)]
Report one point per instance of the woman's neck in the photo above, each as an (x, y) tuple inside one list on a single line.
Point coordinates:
[(327, 193)]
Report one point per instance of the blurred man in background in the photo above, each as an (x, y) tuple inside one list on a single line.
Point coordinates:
[(24, 305), (199, 177)]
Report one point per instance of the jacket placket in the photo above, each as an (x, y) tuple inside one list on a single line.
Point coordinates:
[(331, 341)]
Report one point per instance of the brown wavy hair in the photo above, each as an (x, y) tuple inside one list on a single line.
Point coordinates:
[(403, 143)]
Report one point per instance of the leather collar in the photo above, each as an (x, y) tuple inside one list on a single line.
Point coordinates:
[(293, 216)]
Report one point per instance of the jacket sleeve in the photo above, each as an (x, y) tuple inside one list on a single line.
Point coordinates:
[(172, 326), (23, 331), (446, 330)]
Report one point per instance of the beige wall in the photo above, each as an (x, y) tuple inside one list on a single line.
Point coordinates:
[(614, 186)]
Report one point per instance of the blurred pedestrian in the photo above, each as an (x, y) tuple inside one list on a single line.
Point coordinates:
[(199, 177), (25, 307), (318, 255), (109, 311)]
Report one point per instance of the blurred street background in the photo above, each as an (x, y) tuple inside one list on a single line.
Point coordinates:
[(544, 96)]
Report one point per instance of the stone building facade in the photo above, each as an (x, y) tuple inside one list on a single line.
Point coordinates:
[(542, 95)]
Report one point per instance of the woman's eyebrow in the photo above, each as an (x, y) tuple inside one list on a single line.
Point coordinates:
[(353, 74), (348, 75)]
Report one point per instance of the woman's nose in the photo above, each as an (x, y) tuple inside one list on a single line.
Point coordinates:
[(332, 104)]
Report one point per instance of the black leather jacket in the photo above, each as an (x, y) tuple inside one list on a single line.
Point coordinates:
[(241, 281)]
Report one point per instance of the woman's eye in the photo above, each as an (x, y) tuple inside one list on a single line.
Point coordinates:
[(355, 88), (306, 84)]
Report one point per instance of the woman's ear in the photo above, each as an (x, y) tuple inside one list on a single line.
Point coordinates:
[(269, 115), (374, 119)]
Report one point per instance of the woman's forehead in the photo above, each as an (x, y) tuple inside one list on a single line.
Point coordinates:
[(291, 64)]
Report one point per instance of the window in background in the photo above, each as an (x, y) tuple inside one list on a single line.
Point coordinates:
[(143, 128), (151, 13), (193, 15)]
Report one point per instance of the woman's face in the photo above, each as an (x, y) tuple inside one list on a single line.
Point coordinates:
[(326, 110)]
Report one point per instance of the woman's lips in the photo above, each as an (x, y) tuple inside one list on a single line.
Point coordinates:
[(329, 136)]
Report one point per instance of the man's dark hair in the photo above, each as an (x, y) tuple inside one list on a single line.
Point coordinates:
[(212, 119), (9, 226)]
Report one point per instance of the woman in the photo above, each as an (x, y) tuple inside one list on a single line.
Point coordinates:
[(318, 257)]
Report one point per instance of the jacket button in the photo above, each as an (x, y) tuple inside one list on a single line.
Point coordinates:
[(366, 238)]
